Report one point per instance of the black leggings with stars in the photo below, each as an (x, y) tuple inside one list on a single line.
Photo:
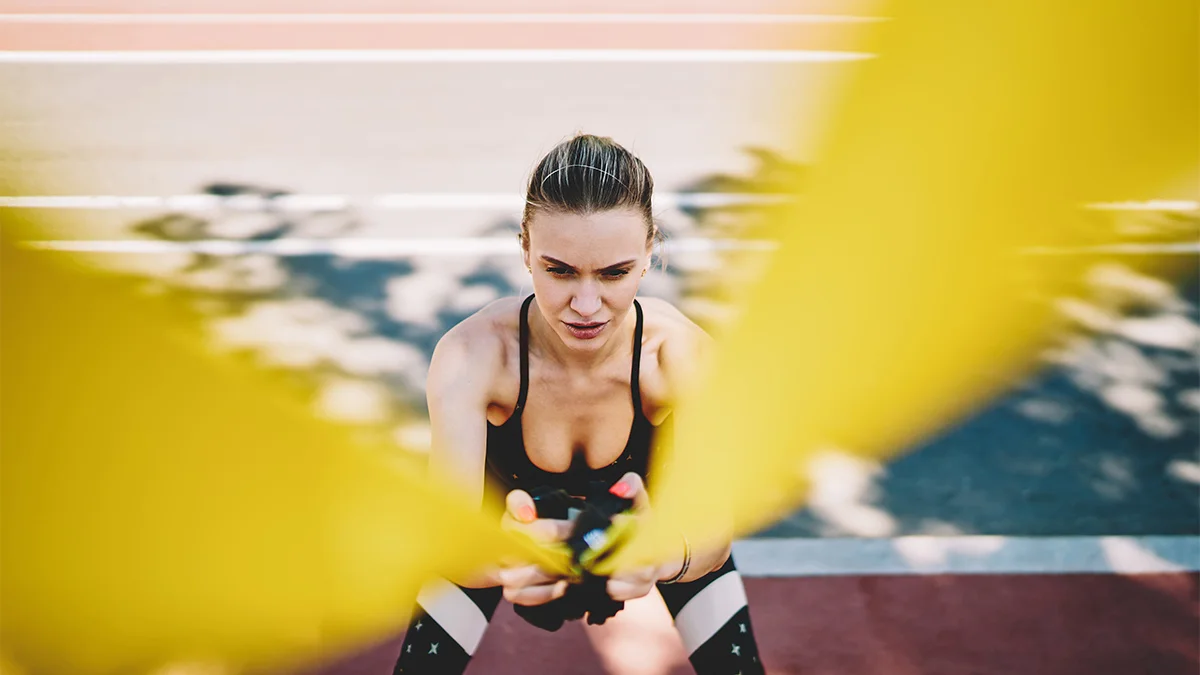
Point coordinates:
[(710, 614)]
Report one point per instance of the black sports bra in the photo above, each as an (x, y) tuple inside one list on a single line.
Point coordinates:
[(509, 466)]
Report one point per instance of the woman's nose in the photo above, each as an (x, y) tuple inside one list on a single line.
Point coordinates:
[(586, 301)]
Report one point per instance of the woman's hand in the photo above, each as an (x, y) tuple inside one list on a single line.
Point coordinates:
[(530, 584), (635, 583)]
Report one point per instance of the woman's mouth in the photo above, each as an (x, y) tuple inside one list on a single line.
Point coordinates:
[(585, 331)]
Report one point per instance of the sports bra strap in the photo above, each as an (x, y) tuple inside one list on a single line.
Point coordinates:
[(637, 362), (635, 371), (524, 355)]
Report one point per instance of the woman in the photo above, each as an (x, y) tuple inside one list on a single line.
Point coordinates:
[(565, 388)]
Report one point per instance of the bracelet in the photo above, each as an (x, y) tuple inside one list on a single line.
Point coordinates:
[(687, 562)]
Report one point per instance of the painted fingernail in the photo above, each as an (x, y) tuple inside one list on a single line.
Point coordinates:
[(620, 489), (526, 514)]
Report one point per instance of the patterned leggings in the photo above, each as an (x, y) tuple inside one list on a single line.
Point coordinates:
[(710, 614)]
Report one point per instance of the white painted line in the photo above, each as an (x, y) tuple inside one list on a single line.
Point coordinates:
[(433, 18), (1179, 248), (276, 56), (306, 202), (356, 248), (716, 199), (917, 555), (508, 202), (359, 247), (1152, 205), (437, 200), (196, 202)]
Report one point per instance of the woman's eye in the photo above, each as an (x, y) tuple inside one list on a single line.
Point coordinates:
[(615, 274), (558, 271)]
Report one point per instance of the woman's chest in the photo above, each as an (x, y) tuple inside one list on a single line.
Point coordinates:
[(564, 419)]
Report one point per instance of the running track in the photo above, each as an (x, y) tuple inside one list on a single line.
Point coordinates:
[(882, 625)]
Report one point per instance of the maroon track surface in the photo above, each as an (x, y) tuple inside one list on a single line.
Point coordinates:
[(903, 625)]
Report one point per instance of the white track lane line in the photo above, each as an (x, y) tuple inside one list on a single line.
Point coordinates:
[(979, 554), (277, 56), (433, 18)]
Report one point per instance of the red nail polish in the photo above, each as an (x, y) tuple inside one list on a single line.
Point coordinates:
[(620, 490), (526, 514)]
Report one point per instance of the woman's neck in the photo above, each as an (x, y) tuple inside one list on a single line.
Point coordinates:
[(550, 345)]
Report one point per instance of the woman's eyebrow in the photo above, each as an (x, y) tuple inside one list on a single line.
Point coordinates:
[(559, 263)]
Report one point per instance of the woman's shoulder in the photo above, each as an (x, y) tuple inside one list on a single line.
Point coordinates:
[(676, 344), (667, 323), (495, 320), (481, 341)]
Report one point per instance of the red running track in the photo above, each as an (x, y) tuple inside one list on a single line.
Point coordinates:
[(1094, 624), (249, 25), (834, 7)]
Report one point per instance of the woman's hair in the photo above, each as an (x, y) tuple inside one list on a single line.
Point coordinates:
[(589, 174)]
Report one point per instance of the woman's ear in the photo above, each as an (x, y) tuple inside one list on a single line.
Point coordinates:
[(524, 250)]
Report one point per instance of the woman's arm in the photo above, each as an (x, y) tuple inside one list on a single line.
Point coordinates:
[(681, 359), (457, 393)]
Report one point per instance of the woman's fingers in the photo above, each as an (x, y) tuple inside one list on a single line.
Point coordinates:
[(547, 530), (535, 595), (630, 587), (543, 530), (526, 575), (520, 515), (519, 505), (630, 486), (531, 585)]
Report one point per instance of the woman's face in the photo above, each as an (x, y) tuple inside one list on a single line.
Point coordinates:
[(586, 271)]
